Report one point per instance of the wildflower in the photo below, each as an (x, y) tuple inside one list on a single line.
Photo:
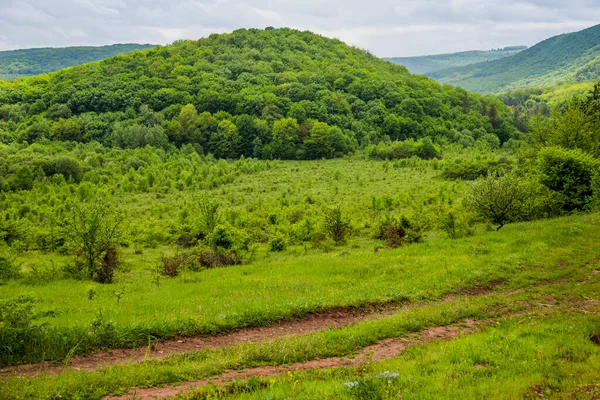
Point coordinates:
[(388, 375), (351, 384)]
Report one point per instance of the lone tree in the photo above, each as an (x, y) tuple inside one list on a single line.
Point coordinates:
[(335, 225), (208, 214), (499, 198), (94, 227)]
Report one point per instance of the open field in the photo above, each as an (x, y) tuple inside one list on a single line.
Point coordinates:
[(556, 306)]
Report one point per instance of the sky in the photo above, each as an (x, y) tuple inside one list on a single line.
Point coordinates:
[(387, 28)]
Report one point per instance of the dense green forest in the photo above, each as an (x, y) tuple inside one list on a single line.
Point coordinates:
[(29, 62), (269, 93), (573, 57), (428, 64)]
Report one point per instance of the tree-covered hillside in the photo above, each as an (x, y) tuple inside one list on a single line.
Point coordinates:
[(436, 62), (263, 93), (573, 57), (29, 62)]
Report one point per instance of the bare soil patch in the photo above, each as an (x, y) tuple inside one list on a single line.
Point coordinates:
[(385, 349)]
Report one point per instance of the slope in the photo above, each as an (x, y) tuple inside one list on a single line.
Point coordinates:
[(437, 62), (565, 58), (29, 62), (268, 93)]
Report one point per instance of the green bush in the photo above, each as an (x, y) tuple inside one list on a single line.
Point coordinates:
[(470, 170), (223, 236), (423, 148), (455, 225), (278, 242), (569, 173), (396, 232), (500, 199), (9, 269), (17, 326), (335, 225)]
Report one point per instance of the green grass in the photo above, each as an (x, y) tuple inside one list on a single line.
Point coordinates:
[(551, 357), (327, 343), (273, 289)]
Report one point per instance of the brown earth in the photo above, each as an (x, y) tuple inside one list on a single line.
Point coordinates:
[(385, 349), (286, 328), (325, 319), (157, 351)]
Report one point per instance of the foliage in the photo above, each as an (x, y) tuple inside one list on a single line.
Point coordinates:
[(335, 224), (456, 225), (565, 58), (396, 232), (277, 242), (569, 173), (17, 322), (208, 214), (472, 168), (9, 268), (21, 63), (304, 97), (422, 148), (94, 228), (500, 198), (172, 266)]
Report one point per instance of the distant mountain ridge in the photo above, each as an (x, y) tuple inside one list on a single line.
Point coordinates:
[(436, 62), (572, 57), (29, 62)]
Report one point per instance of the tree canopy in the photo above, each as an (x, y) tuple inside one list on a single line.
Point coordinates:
[(275, 93)]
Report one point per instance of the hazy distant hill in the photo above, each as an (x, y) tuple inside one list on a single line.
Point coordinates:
[(28, 62), (573, 57), (427, 64)]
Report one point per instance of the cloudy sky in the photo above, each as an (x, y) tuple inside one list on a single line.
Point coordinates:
[(385, 27)]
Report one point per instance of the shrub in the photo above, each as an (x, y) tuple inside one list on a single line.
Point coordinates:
[(17, 324), (423, 148), (278, 242), (94, 229), (213, 259), (223, 236), (391, 232), (569, 173), (455, 225), (335, 225), (172, 266), (472, 169), (108, 265), (9, 269), (209, 215), (500, 198), (396, 232)]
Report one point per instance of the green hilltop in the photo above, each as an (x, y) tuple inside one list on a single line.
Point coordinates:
[(573, 57), (16, 64), (436, 62), (274, 93)]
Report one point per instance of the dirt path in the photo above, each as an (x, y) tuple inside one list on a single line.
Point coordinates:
[(312, 323), (385, 349), (159, 350)]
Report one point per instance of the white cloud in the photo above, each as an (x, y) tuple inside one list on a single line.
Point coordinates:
[(386, 27)]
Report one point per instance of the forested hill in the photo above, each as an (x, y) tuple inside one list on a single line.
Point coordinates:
[(436, 62), (274, 93), (573, 57), (29, 62)]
